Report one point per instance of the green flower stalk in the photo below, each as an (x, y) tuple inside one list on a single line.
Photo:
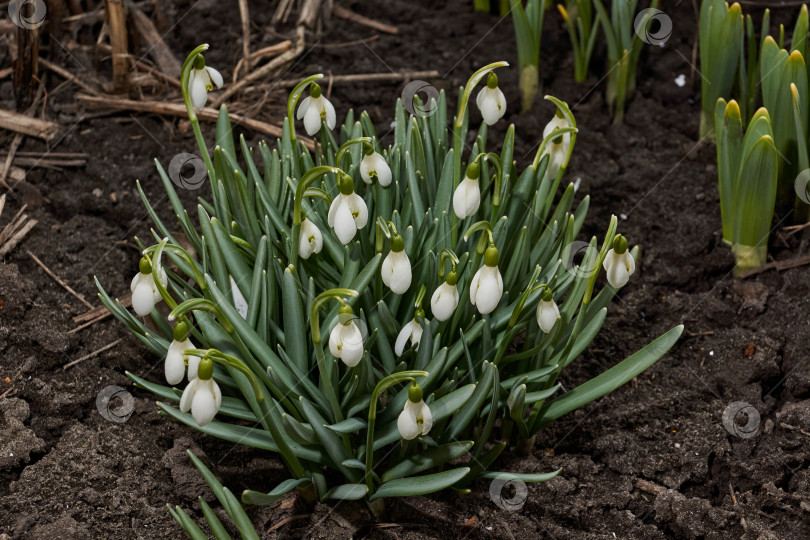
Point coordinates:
[(406, 389)]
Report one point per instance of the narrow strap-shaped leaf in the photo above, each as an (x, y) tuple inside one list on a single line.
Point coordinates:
[(347, 492), (262, 499), (420, 485), (217, 529), (433, 457), (610, 380)]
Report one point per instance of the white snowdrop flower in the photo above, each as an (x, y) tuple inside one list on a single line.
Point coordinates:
[(314, 108), (491, 100), (310, 239), (415, 418), (411, 331), (557, 148), (373, 165), (202, 395), (486, 287), (202, 80), (348, 212), (175, 365), (467, 196), (396, 267), (619, 263), (547, 312), (445, 298), (145, 293), (346, 340)]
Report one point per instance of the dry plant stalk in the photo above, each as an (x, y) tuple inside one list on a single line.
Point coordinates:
[(117, 25)]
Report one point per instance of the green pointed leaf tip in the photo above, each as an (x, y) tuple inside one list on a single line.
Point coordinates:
[(317, 367)]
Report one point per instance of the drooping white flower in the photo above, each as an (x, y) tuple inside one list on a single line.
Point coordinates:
[(202, 395), (411, 331), (445, 298), (176, 360), (415, 418), (310, 240), (346, 340), (547, 312), (348, 212), (202, 80), (491, 100), (314, 108), (557, 148), (467, 196), (619, 263), (373, 165), (486, 287), (396, 267), (145, 293)]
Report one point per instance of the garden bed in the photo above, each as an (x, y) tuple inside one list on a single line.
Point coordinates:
[(652, 460)]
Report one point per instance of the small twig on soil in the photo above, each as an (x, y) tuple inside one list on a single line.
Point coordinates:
[(92, 354), (158, 49), (59, 281), (287, 520), (144, 67), (5, 72), (43, 162), (65, 74), (375, 37), (370, 77), (649, 487), (794, 428), (266, 69), (20, 123), (101, 312), (7, 246), (177, 109), (255, 56), (117, 25), (7, 392), (244, 14), (733, 497), (793, 229), (777, 265), (15, 143), (350, 15), (700, 334)]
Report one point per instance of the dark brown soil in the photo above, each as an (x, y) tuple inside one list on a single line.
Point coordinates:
[(652, 460)]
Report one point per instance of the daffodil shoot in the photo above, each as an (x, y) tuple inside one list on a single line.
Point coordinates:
[(393, 293)]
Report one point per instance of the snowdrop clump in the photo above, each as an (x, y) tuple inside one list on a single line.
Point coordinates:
[(394, 312)]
